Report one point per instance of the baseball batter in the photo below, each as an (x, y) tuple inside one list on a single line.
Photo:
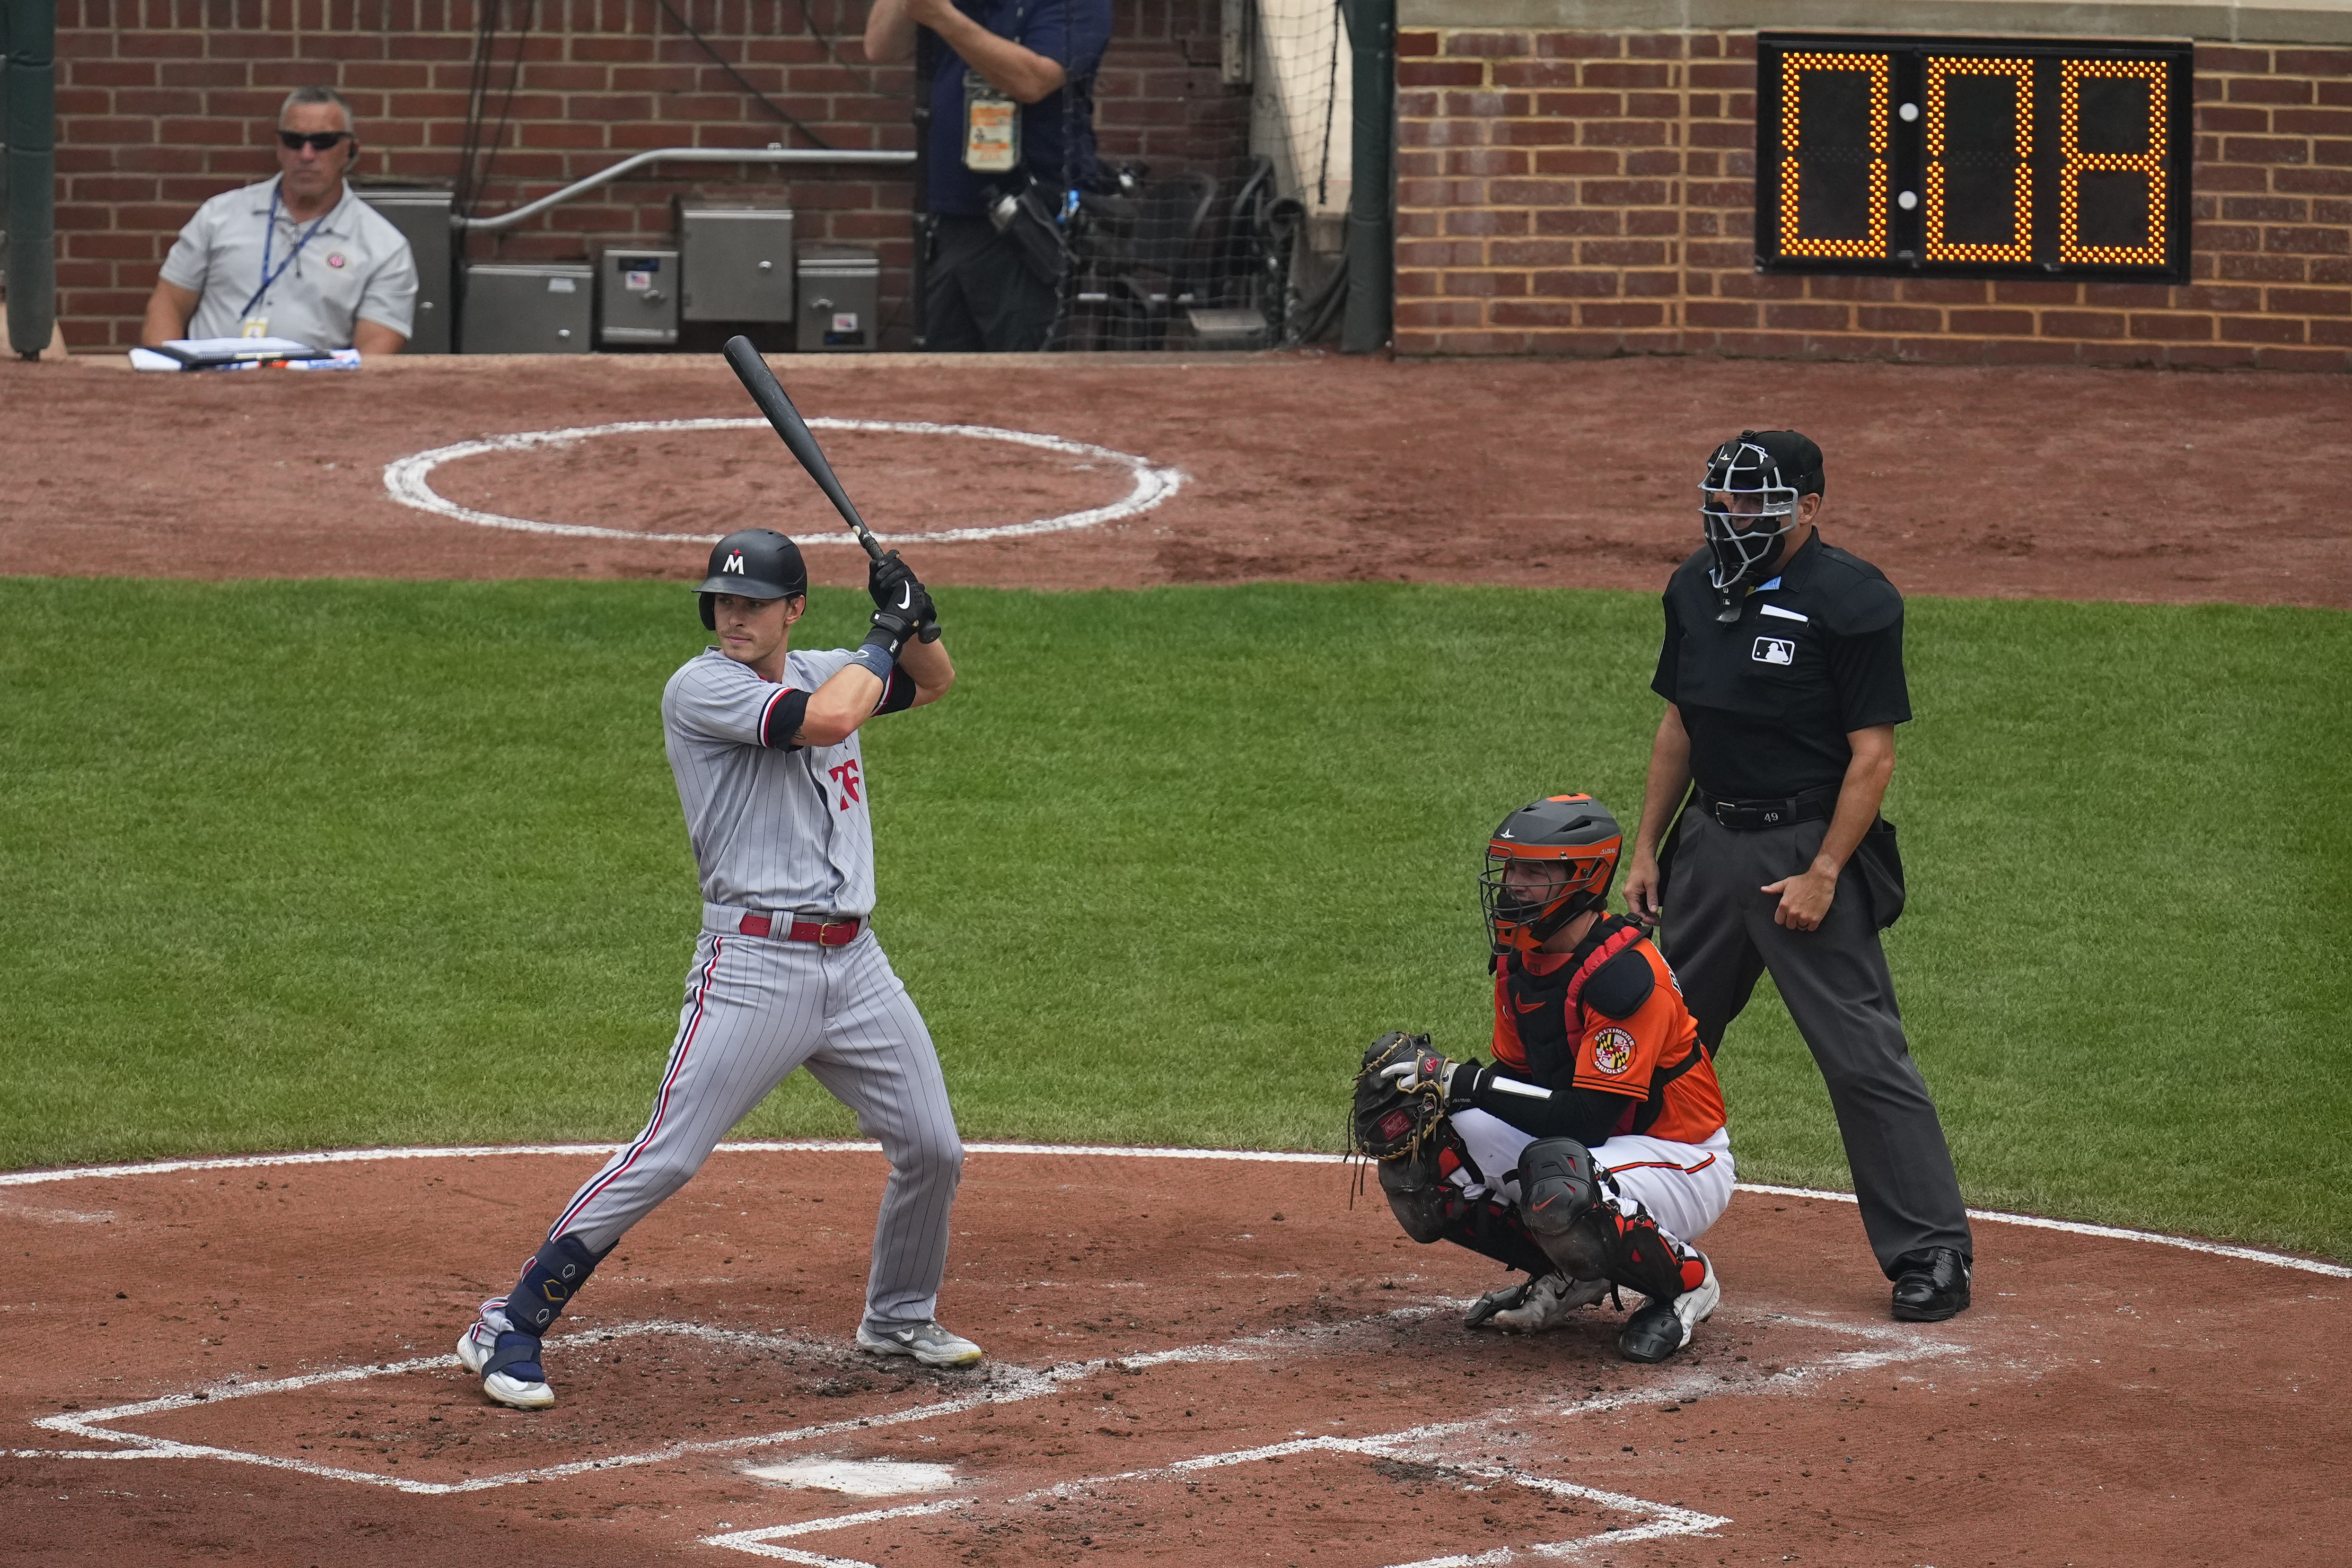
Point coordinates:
[(1593, 1151), (764, 741)]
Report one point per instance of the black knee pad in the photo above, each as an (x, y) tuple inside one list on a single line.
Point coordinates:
[(551, 1278), (1559, 1185)]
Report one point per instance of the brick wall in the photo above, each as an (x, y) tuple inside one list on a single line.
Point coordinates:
[(1592, 192), (163, 103)]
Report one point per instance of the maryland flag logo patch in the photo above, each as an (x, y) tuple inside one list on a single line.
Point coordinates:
[(1612, 1051)]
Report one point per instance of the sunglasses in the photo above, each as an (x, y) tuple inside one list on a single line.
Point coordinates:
[(316, 140)]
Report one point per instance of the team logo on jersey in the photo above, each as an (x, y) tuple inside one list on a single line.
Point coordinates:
[(1612, 1050), (1774, 650), (734, 562)]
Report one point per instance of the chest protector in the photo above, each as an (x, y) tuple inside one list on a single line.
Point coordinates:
[(1547, 1010)]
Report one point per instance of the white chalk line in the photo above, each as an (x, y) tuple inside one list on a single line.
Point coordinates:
[(409, 481), (1272, 1156)]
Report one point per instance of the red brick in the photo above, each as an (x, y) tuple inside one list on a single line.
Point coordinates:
[(1573, 283), (2264, 210), (2265, 149), (1653, 105), (1719, 313), (2261, 329), (2262, 269), (2214, 177), (1723, 78), (1656, 162), (1577, 161), (2269, 90), (1991, 323), (2083, 324), (1943, 291), (2019, 292), (1653, 221), (2209, 296), (1420, 105), (1531, 192), (2128, 295), (1534, 252), (1823, 286), (1578, 45), (1626, 192), (2335, 153), (2313, 181), (1540, 74), (2219, 60), (2309, 240), (1581, 105), (1623, 134), (1532, 313), (1621, 313), (2171, 329), (1412, 43), (1580, 221), (2312, 121), (1488, 161), (1488, 46), (1445, 253), (2313, 62), (1622, 252), (2330, 269), (2309, 302), (1418, 73), (1627, 73), (1533, 132), (1485, 285), (2226, 236), (1441, 192), (2216, 117), (1450, 133), (1485, 221), (1487, 104), (1436, 313), (1897, 318), (2303, 359), (1651, 284), (1808, 318), (2326, 330)]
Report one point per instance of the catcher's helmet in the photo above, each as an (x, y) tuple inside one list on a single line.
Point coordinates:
[(1550, 861), (1748, 500), (758, 563)]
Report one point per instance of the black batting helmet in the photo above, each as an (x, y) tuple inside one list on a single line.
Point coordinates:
[(1550, 861), (1748, 500), (758, 563)]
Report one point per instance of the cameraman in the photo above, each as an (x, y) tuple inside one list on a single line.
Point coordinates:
[(1012, 116)]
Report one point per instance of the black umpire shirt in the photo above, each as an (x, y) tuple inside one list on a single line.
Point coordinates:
[(1769, 699)]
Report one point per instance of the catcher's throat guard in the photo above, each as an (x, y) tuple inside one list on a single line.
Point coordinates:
[(1547, 862)]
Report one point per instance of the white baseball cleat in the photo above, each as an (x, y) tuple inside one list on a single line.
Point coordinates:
[(926, 1342), (1549, 1303), (517, 1381)]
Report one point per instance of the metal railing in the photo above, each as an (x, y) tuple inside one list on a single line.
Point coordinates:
[(683, 155)]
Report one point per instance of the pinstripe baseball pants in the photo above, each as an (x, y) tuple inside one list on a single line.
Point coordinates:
[(757, 1008)]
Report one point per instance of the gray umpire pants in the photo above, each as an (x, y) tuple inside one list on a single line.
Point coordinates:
[(757, 1008), (1719, 935)]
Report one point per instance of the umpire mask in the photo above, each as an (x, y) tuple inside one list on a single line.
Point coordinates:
[(1749, 502)]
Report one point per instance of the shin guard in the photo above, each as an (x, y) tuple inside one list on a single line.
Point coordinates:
[(1641, 1257), (551, 1278)]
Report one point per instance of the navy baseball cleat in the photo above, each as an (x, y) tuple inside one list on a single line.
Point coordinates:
[(507, 1360)]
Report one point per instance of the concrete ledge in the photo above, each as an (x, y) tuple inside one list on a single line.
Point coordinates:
[(2232, 21)]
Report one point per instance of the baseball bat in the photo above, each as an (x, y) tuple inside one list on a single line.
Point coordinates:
[(768, 393)]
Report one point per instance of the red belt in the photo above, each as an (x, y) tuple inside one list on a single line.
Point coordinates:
[(824, 933)]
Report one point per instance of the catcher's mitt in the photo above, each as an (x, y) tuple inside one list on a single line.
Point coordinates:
[(1389, 1122)]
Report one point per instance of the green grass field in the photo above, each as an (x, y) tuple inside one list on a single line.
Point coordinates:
[(295, 865)]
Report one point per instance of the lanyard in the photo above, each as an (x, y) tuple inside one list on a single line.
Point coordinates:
[(268, 235)]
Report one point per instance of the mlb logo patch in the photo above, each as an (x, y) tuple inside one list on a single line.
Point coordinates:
[(1774, 650)]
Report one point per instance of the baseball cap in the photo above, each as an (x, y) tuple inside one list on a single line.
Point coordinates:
[(1796, 455)]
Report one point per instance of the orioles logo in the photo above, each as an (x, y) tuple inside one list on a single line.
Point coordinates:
[(1612, 1050)]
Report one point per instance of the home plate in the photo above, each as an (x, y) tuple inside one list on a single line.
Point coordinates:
[(858, 1478)]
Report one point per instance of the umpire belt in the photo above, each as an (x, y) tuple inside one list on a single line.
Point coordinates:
[(1753, 816), (785, 924)]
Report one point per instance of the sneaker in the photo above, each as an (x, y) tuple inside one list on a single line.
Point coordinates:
[(1661, 1328), (926, 1342), (1549, 1303), (518, 1383)]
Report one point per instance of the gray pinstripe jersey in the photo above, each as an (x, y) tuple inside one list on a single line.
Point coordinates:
[(772, 829)]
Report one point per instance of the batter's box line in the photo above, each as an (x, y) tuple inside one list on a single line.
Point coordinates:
[(1411, 1445), (1003, 1384)]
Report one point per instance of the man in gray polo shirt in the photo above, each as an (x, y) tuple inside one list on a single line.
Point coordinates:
[(297, 257)]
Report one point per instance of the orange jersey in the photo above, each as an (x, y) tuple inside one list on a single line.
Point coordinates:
[(1609, 1018)]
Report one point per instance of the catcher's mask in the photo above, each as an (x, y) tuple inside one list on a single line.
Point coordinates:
[(757, 563), (1749, 502), (1548, 863)]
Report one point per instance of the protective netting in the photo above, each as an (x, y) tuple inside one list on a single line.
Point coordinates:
[(1235, 255)]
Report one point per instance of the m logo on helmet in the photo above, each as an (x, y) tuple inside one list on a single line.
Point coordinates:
[(734, 562)]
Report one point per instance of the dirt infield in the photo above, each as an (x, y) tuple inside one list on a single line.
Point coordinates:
[(2080, 484), (1190, 1361)]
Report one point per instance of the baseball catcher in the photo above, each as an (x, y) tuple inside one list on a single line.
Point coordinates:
[(1591, 1150)]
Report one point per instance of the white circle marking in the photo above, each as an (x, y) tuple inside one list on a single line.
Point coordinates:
[(409, 479)]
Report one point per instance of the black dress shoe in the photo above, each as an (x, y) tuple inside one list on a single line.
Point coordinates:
[(1932, 1287)]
